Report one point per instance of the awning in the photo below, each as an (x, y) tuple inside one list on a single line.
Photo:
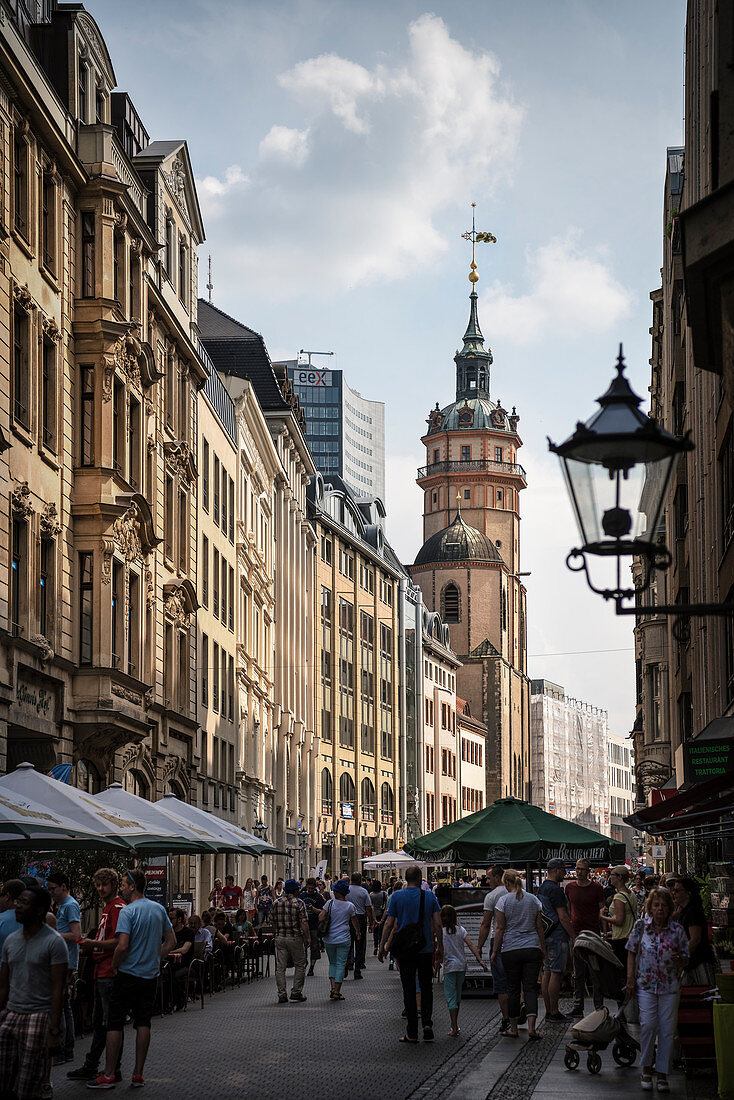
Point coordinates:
[(697, 806), (218, 831), (185, 838), (28, 825)]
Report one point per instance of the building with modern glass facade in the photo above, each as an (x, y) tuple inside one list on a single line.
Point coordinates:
[(346, 433)]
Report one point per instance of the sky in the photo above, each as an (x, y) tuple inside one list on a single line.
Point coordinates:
[(338, 146)]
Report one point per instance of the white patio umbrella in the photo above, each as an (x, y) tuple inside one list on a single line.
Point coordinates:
[(383, 860), (217, 830), (26, 824), (190, 838), (78, 806)]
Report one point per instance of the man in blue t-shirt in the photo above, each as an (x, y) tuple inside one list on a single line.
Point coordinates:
[(69, 927), (557, 938), (403, 908), (144, 938), (10, 891)]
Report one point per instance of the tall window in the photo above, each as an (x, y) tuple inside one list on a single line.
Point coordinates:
[(182, 272), (168, 518), (327, 792), (231, 517), (133, 265), (133, 444), (183, 403), (183, 531), (87, 415), (18, 575), (133, 625), (204, 680), (465, 453), (86, 608), (170, 389), (450, 610), (215, 480), (367, 798), (498, 454), (169, 246), (205, 475), (48, 221), (215, 584), (224, 500), (98, 105), (118, 424), (346, 790), (83, 92), (654, 731), (88, 265), (117, 621), (386, 804), (231, 599), (20, 185), (45, 585), (48, 394), (205, 571), (230, 688), (21, 368), (224, 589)]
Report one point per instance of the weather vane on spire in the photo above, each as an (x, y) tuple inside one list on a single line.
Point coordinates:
[(476, 237)]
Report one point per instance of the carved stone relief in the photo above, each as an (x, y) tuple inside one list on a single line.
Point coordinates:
[(174, 608), (51, 329), (49, 522), (126, 534), (20, 501), (23, 297)]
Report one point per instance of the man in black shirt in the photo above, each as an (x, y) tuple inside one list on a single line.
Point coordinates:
[(314, 903), (557, 939), (182, 955)]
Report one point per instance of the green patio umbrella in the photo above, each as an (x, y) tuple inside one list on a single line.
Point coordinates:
[(511, 831)]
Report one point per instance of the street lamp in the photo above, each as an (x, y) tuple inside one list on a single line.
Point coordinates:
[(617, 468), (260, 829)]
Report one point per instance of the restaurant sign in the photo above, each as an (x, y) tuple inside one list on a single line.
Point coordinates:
[(35, 698), (703, 760)]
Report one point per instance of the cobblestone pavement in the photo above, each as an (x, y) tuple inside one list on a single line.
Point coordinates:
[(244, 1039)]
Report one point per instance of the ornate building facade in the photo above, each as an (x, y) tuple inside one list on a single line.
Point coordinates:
[(469, 564), (102, 379)]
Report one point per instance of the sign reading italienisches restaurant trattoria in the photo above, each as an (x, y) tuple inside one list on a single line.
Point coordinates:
[(705, 760)]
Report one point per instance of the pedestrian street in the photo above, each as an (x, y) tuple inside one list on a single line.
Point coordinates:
[(243, 1040)]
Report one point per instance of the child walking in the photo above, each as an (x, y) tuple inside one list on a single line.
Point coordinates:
[(454, 963)]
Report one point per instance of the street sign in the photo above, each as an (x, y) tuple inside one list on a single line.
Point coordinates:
[(347, 810), (659, 851)]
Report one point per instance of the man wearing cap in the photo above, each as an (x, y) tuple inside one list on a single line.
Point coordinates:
[(292, 937), (557, 938)]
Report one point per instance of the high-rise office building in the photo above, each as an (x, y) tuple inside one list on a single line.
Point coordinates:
[(346, 433)]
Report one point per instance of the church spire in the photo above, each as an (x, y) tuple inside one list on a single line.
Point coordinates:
[(474, 360)]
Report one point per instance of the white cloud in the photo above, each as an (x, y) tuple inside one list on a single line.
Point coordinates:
[(285, 144), (333, 81), (572, 292), (212, 191), (382, 153)]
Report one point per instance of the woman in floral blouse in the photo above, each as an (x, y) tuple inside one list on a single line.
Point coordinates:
[(657, 951)]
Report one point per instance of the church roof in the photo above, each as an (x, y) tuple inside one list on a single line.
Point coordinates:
[(457, 542)]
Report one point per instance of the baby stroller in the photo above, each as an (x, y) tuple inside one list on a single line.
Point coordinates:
[(596, 1031)]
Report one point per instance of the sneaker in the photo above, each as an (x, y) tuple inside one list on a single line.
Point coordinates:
[(102, 1081), (523, 1017), (577, 1012), (358, 976), (84, 1073), (282, 998), (558, 1017), (298, 997), (663, 1085), (309, 972), (427, 1034), (646, 1084), (137, 1081)]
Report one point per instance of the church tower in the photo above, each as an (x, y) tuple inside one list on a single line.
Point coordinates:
[(469, 565)]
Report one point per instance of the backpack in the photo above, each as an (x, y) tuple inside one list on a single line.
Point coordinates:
[(548, 914), (411, 939)]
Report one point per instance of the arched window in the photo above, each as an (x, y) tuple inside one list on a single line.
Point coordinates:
[(346, 792), (451, 604), (135, 782), (386, 804), (367, 797), (327, 792)]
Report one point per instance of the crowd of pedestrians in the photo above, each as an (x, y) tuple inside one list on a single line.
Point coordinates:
[(656, 929)]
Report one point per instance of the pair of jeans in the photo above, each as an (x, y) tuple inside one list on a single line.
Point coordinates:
[(420, 964), (359, 946), (522, 968), (294, 947), (452, 986), (337, 953), (100, 1019), (580, 972)]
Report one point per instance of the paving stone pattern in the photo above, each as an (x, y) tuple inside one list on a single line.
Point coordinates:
[(243, 1038)]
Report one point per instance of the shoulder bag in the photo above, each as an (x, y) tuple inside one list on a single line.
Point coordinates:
[(411, 939), (325, 924)]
